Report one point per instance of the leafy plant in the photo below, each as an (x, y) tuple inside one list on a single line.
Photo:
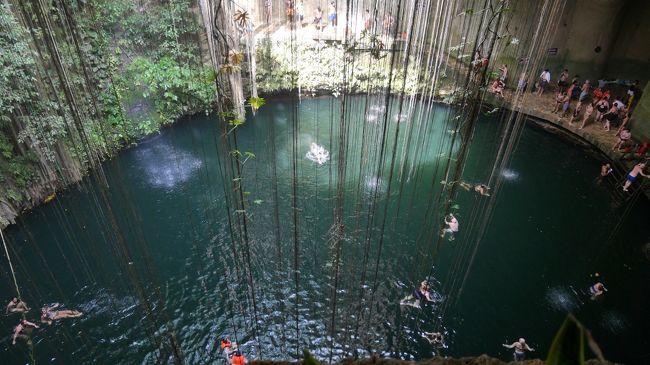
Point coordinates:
[(568, 347), (241, 18)]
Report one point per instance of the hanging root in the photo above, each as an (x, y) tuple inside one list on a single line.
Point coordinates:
[(335, 233)]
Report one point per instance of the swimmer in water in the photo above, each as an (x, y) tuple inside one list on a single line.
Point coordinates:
[(479, 188), (17, 306), (49, 314), (435, 338), (597, 290), (520, 347), (482, 189), (452, 227), (605, 170), (20, 327), (423, 292)]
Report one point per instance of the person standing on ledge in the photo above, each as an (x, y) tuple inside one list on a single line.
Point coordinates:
[(520, 347), (544, 79), (631, 177), (331, 14)]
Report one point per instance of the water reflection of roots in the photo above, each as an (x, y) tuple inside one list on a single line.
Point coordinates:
[(317, 154)]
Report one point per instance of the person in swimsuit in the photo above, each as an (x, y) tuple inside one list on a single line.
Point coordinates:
[(601, 108), (268, 10), (597, 290), (482, 189), (632, 175), (584, 91), (17, 306), (566, 102), (559, 97), (452, 227), (623, 137), (435, 338), (318, 18), (20, 327), (562, 82), (520, 347), (605, 170), (588, 112), (331, 14), (610, 117), (49, 314)]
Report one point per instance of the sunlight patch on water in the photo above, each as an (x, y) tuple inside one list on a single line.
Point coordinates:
[(166, 166), (510, 175)]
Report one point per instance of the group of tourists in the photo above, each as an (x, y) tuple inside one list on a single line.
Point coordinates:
[(49, 314), (295, 12), (599, 105), (592, 103)]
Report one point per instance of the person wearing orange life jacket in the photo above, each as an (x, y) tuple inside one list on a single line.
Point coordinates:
[(225, 344), (238, 359)]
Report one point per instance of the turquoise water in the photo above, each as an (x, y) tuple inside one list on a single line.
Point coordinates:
[(163, 240)]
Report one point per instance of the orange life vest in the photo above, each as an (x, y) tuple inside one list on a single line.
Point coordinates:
[(238, 360), (225, 344)]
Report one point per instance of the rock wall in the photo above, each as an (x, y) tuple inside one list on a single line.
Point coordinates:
[(641, 117)]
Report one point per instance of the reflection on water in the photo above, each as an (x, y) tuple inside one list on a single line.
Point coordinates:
[(165, 165), (510, 175)]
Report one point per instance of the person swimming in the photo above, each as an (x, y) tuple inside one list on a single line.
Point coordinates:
[(452, 227), (482, 189), (49, 314), (435, 338), (23, 324), (17, 306), (597, 290), (520, 347), (420, 294)]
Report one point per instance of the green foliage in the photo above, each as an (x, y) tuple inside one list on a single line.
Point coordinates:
[(17, 63), (256, 103), (141, 69), (568, 347), (175, 89), (320, 68), (308, 359)]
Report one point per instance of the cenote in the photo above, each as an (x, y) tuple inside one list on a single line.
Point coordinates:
[(553, 226)]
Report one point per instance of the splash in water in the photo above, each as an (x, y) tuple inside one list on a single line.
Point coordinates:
[(317, 154), (167, 166)]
